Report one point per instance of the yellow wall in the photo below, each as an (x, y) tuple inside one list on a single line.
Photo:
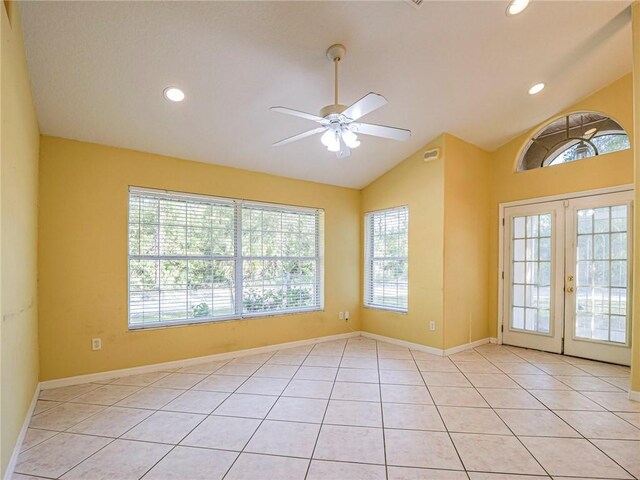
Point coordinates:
[(608, 170), (419, 185), (448, 203), (83, 251), (467, 191), (19, 138), (635, 360)]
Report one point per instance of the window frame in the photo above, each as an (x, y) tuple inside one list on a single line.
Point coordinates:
[(369, 260), (237, 256), (606, 125)]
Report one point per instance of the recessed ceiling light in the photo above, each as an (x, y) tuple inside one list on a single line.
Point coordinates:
[(174, 94), (516, 6), (537, 88)]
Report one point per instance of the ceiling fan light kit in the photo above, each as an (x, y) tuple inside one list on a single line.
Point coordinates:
[(339, 126)]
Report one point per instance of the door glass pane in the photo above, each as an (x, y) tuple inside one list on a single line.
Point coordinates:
[(601, 274), (531, 273)]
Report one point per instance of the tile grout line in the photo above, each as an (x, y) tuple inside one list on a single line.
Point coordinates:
[(589, 374), (342, 425), (384, 439), (118, 438), (205, 417), (507, 389), (269, 411), (439, 414), (71, 433), (85, 459), (561, 419), (33, 446), (622, 418), (501, 419), (140, 388), (174, 446), (326, 409)]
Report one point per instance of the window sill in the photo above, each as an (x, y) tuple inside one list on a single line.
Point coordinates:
[(193, 321), (387, 309)]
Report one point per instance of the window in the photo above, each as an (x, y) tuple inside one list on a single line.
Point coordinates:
[(194, 258), (280, 259), (386, 259), (573, 137)]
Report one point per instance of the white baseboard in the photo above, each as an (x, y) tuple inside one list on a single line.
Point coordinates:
[(8, 474), (403, 343), (493, 340), (101, 376), (466, 346), (424, 348), (96, 377), (633, 395)]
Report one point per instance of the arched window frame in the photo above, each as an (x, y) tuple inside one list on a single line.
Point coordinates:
[(569, 140)]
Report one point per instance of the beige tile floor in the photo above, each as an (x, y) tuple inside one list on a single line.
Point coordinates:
[(350, 409)]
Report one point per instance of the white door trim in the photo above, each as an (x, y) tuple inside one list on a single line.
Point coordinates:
[(549, 198)]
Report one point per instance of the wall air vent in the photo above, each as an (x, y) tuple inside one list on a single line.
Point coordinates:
[(433, 154)]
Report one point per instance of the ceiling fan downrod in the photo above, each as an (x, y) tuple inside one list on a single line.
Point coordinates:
[(335, 53), (336, 61)]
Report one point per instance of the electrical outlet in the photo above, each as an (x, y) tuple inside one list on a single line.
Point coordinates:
[(346, 316), (341, 316), (432, 326), (96, 344)]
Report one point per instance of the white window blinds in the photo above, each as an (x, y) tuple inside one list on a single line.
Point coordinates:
[(198, 258), (280, 250), (386, 259)]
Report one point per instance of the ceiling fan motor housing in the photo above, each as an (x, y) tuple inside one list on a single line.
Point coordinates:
[(332, 109)]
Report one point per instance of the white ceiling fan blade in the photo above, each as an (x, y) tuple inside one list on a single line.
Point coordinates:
[(299, 136), (298, 113), (367, 104), (380, 131)]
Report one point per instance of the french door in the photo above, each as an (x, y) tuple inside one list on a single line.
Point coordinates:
[(567, 276)]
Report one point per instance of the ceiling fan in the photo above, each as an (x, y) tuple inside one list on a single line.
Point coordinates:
[(339, 122)]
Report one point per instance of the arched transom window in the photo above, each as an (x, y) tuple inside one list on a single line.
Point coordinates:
[(573, 137)]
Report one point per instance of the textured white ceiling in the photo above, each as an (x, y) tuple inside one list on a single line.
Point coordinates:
[(98, 70)]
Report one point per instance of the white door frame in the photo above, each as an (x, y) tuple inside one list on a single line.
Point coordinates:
[(528, 201)]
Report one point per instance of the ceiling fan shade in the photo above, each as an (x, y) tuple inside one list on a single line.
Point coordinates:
[(350, 138), (333, 137), (331, 140), (339, 123)]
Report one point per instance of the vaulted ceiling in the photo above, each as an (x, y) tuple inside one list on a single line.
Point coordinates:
[(98, 70)]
